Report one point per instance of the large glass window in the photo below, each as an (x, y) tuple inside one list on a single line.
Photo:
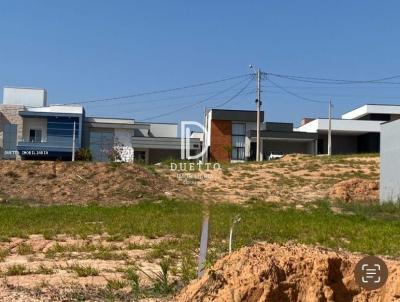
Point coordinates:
[(238, 141)]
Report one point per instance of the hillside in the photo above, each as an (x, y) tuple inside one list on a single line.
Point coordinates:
[(294, 178)]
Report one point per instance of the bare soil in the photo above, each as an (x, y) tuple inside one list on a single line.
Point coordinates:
[(48, 266), (292, 273), (292, 179), (80, 182)]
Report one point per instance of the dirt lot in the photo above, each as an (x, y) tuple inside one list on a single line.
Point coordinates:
[(80, 182), (294, 178), (69, 269)]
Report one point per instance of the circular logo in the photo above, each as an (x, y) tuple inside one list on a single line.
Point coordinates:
[(371, 272)]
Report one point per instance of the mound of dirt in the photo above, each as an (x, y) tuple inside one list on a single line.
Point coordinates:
[(294, 157), (355, 189), (270, 272), (66, 182)]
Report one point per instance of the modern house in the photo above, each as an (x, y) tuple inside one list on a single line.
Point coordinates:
[(232, 133), (358, 131), (390, 162), (145, 142), (231, 136), (31, 129)]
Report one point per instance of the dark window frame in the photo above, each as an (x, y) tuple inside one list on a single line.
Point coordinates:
[(238, 150)]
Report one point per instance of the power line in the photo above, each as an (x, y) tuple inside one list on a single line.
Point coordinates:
[(334, 81), (196, 103), (235, 95), (161, 91), (295, 94)]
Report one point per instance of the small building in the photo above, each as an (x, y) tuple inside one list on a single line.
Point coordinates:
[(232, 136), (390, 162)]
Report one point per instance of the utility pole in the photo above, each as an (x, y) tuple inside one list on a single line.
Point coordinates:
[(73, 143), (205, 137), (330, 128), (258, 103)]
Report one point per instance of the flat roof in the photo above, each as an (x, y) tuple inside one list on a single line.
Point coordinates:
[(236, 115), (344, 126), (364, 110), (64, 109), (30, 88), (109, 120)]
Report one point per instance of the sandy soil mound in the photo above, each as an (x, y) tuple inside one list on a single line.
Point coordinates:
[(65, 182), (355, 189), (294, 157), (270, 272)]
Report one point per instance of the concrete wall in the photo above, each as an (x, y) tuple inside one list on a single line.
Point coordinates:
[(34, 123), (341, 144), (287, 147), (164, 130), (30, 97), (390, 162), (159, 155)]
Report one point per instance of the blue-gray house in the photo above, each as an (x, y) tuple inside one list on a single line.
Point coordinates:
[(47, 132)]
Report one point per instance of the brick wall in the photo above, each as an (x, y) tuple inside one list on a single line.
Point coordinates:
[(9, 115), (221, 138)]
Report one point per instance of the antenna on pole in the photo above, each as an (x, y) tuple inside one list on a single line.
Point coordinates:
[(330, 128)]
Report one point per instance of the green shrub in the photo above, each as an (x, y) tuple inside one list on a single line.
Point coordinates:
[(83, 154)]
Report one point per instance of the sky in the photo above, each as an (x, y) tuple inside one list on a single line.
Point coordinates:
[(89, 50)]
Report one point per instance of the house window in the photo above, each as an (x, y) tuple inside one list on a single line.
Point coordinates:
[(238, 141), (35, 135)]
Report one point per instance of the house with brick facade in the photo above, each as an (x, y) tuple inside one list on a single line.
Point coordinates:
[(231, 136)]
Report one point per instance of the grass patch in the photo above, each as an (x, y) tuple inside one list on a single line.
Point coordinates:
[(372, 229), (44, 270), (83, 270), (3, 254), (107, 255), (25, 249), (17, 270)]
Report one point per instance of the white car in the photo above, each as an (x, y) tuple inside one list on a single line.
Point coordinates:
[(275, 155)]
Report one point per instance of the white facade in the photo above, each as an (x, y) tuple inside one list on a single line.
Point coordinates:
[(371, 109), (31, 97), (164, 130), (341, 126), (390, 162), (34, 124)]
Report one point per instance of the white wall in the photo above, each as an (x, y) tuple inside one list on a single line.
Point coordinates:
[(25, 96), (390, 162), (164, 130), (355, 126), (34, 123), (124, 137)]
